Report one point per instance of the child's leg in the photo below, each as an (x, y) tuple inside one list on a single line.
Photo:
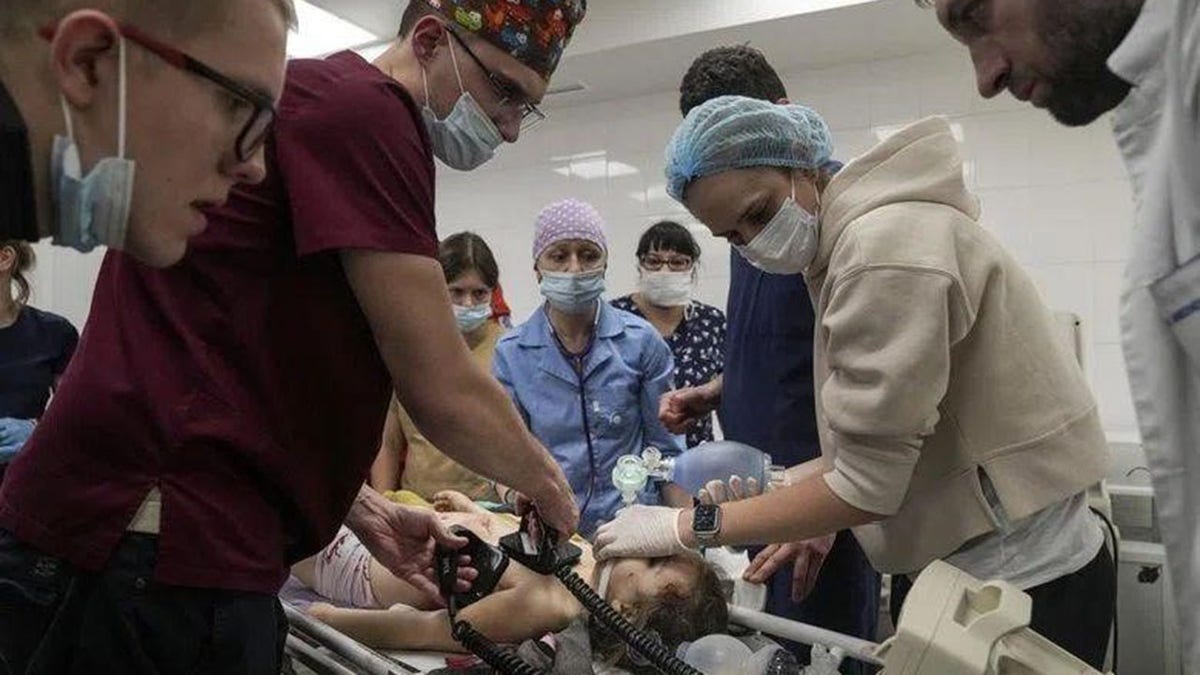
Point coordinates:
[(454, 501)]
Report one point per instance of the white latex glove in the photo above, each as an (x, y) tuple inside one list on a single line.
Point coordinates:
[(640, 532), (719, 492)]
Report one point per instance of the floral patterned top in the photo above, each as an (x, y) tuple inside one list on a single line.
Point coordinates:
[(698, 345)]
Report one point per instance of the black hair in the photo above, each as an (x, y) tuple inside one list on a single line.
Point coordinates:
[(468, 252), (729, 71), (670, 236)]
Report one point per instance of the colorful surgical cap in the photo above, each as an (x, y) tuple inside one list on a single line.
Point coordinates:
[(535, 32)]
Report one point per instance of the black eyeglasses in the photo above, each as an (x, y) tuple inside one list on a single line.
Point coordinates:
[(653, 263), (254, 134), (506, 91)]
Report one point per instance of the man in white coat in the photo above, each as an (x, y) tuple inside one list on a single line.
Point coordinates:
[(1140, 59)]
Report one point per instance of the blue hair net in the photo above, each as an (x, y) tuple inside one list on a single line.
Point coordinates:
[(735, 132)]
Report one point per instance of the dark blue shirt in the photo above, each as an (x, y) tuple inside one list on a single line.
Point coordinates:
[(34, 351), (698, 345), (768, 400)]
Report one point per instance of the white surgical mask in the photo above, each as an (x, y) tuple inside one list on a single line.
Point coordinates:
[(573, 292), (470, 318), (665, 288), (92, 210), (788, 244), (467, 138)]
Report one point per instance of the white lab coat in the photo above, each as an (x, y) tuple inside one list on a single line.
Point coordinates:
[(1158, 130)]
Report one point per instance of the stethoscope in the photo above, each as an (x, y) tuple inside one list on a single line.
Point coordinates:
[(576, 361)]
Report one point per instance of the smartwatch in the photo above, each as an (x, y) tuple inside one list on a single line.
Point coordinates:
[(706, 524)]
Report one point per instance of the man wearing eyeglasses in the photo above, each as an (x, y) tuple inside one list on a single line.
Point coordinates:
[(220, 416), (110, 137)]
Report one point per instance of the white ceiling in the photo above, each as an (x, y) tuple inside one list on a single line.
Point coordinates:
[(614, 60)]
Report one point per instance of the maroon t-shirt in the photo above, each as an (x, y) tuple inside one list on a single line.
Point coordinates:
[(244, 382)]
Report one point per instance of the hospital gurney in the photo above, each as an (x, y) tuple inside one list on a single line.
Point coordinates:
[(324, 650), (952, 624)]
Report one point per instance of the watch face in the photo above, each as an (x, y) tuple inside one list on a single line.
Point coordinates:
[(706, 518)]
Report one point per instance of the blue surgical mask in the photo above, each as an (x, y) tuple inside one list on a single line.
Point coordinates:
[(470, 318), (573, 292), (92, 210), (467, 138)]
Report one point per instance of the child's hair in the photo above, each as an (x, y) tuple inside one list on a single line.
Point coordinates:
[(468, 252), (674, 617)]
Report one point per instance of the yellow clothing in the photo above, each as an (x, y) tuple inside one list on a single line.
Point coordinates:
[(426, 470)]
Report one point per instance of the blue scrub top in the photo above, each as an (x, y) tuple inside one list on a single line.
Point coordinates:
[(626, 372), (768, 400), (34, 353)]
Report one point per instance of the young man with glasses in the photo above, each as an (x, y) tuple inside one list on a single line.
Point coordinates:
[(221, 416), (165, 105)]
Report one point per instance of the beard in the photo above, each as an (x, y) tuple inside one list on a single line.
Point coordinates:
[(1079, 36)]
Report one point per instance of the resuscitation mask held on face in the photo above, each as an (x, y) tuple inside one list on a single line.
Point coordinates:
[(92, 210), (666, 289), (470, 318), (788, 243), (573, 292), (467, 138)]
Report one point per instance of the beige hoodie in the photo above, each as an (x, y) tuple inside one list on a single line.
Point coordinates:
[(936, 360)]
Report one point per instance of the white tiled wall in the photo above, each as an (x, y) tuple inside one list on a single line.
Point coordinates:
[(1057, 197)]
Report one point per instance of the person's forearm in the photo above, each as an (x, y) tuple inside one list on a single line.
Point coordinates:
[(795, 513), (796, 475), (475, 423), (715, 388), (366, 504)]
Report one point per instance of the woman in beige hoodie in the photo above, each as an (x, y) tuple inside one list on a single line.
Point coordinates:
[(953, 423)]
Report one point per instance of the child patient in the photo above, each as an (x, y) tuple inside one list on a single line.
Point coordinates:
[(680, 598)]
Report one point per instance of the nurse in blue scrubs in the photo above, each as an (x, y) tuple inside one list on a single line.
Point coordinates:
[(585, 376)]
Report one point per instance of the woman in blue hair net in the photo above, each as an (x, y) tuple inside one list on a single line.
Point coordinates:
[(954, 424)]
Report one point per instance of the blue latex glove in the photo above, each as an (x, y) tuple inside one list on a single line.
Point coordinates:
[(13, 434)]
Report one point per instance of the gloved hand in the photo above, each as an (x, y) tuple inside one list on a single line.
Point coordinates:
[(640, 532), (13, 434), (719, 492)]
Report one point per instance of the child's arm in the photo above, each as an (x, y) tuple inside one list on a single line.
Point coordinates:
[(521, 613)]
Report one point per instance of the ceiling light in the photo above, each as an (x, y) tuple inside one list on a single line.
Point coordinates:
[(322, 32)]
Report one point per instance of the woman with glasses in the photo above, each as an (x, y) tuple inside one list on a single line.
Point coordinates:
[(407, 458), (667, 257), (586, 377)]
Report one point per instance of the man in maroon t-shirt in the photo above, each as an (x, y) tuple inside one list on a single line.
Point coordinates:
[(221, 415)]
